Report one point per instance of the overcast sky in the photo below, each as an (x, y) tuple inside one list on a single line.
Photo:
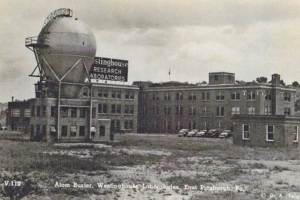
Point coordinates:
[(250, 38)]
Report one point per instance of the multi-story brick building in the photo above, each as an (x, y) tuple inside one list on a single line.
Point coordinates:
[(171, 107), (114, 107)]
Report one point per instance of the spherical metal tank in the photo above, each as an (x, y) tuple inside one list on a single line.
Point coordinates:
[(67, 41)]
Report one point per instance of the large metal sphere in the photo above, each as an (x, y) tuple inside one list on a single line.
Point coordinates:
[(67, 41)]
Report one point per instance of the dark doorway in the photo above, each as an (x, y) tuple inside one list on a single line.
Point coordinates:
[(102, 131)]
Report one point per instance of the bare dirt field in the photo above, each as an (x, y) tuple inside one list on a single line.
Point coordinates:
[(146, 167)]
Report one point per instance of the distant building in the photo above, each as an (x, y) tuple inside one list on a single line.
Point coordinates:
[(173, 107)]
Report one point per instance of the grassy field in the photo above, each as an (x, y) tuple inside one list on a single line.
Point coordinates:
[(146, 166)]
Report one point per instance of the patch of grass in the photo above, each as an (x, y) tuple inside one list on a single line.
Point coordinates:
[(231, 174), (257, 166), (279, 168)]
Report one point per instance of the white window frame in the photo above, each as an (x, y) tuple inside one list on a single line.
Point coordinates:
[(297, 134), (251, 110), (235, 110), (268, 140), (268, 110), (243, 132)]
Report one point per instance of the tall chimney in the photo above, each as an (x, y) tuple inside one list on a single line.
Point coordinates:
[(12, 99), (275, 79)]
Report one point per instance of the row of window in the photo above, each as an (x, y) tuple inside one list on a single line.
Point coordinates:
[(115, 125), (220, 110), (115, 108), (102, 108), (235, 95), (270, 131), (114, 94), (64, 130)]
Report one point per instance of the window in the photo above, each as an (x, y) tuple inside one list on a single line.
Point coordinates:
[(113, 108), (178, 110), (251, 95), (268, 110), (179, 126), (102, 108), (268, 95), (82, 112), (73, 130), (167, 110), (32, 111), (167, 125), (44, 110), (220, 111), (295, 133), (129, 109), (93, 112), (192, 111), (251, 111), (85, 92), (270, 133), (192, 125), (155, 110), (37, 129), (73, 112), (205, 95), (52, 129), (192, 96), (64, 130), (179, 96), (81, 130), (15, 112), (113, 126), (128, 124), (167, 96), (64, 112), (216, 77), (155, 97), (27, 112), (116, 95), (246, 132), (235, 96), (53, 111), (129, 95), (38, 111), (32, 129), (44, 129), (235, 110), (118, 126), (102, 93), (220, 95), (204, 126), (287, 97), (287, 111), (204, 112)]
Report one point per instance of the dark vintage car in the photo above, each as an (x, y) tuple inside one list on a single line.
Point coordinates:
[(213, 133)]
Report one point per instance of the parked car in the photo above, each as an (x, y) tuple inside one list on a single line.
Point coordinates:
[(183, 132), (192, 133), (226, 134), (3, 128), (201, 133), (213, 133)]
